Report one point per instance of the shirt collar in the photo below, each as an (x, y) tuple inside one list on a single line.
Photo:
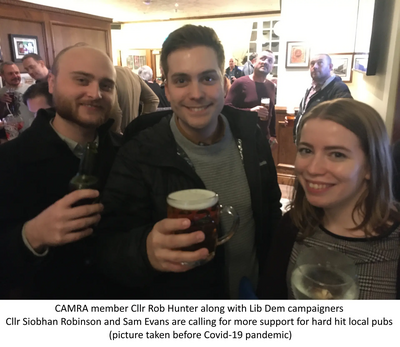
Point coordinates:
[(327, 81), (76, 148)]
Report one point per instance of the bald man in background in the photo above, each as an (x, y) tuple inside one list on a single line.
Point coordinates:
[(45, 251)]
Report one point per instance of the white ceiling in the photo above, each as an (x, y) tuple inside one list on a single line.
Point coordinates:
[(136, 10)]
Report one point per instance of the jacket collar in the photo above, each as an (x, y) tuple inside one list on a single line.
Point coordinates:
[(156, 144), (40, 141)]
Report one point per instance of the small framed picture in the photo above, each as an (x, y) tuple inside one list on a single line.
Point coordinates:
[(297, 54), (360, 62), (342, 65), (22, 45)]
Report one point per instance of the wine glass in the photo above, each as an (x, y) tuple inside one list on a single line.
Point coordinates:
[(323, 274)]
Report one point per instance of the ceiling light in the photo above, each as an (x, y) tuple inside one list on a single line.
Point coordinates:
[(147, 2)]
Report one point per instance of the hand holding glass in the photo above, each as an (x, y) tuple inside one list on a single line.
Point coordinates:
[(265, 103), (202, 208)]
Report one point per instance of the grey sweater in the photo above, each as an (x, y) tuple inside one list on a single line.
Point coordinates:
[(220, 168)]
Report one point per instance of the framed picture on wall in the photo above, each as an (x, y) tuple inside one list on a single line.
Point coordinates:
[(297, 54), (360, 62), (22, 45), (342, 65)]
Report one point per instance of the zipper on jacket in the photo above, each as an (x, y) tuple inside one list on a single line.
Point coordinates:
[(240, 147)]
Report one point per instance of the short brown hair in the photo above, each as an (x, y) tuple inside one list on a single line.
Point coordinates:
[(4, 63), (190, 36), (35, 57)]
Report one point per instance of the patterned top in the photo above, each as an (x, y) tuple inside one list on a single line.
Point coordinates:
[(376, 259)]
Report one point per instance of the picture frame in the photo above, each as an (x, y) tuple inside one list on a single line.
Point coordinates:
[(22, 45), (343, 65), (297, 54), (360, 62)]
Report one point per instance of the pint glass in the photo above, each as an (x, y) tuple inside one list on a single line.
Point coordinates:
[(202, 208)]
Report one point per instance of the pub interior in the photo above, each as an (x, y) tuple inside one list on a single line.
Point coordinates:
[(135, 38), (133, 35)]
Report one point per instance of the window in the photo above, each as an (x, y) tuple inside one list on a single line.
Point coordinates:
[(264, 37)]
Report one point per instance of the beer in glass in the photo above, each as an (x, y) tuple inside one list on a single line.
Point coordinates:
[(202, 208)]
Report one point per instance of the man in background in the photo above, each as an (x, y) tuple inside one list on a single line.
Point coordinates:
[(146, 73), (232, 71), (12, 78), (248, 67), (35, 67), (246, 93), (37, 97), (134, 97), (324, 86)]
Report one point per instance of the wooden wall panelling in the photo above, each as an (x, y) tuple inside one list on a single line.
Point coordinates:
[(58, 28), (64, 35), (285, 153)]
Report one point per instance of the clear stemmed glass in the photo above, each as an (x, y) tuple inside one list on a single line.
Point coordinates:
[(323, 273)]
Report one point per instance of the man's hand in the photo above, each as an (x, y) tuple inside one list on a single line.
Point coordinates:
[(60, 223), (263, 112), (1, 125), (5, 98), (163, 245), (273, 142), (233, 78)]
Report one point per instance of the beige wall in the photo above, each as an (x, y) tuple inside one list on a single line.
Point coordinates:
[(329, 26), (233, 33)]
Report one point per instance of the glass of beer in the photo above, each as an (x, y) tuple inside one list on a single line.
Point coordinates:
[(265, 102), (202, 208)]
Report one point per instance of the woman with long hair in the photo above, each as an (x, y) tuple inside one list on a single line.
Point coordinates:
[(342, 200)]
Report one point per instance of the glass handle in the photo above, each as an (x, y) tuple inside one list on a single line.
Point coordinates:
[(235, 225)]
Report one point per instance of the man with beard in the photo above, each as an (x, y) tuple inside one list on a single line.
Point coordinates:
[(45, 251), (325, 86), (12, 78), (246, 93)]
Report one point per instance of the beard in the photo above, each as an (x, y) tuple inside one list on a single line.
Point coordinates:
[(71, 110)]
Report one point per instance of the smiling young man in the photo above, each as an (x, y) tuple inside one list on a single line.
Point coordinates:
[(199, 144), (44, 249)]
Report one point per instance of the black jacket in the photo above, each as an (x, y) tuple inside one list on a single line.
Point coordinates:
[(396, 170), (238, 72), (35, 171), (334, 90), (145, 171)]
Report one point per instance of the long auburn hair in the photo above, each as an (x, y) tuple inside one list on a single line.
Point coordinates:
[(376, 205)]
